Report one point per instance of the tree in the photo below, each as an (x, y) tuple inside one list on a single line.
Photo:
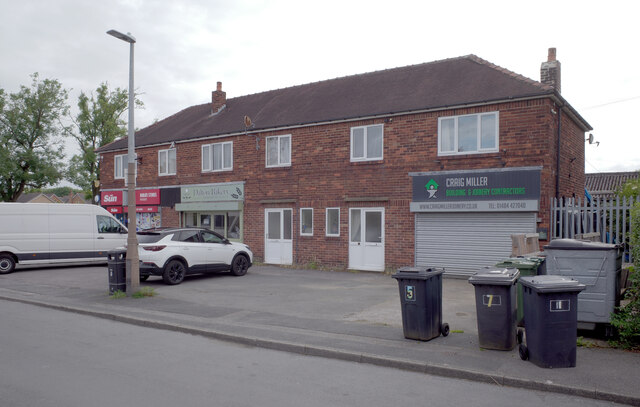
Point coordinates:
[(98, 123), (31, 133)]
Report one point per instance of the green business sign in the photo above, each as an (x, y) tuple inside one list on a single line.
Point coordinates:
[(212, 193)]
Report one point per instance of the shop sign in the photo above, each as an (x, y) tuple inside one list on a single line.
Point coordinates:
[(212, 193), (148, 197), (111, 198), (503, 190), (143, 209), (114, 209)]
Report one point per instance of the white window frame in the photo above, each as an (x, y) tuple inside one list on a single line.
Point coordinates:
[(326, 222), (123, 166), (280, 162), (306, 233), (207, 157), (479, 150), (364, 147), (167, 160)]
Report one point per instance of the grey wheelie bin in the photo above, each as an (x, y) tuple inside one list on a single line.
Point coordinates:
[(597, 266), (117, 266), (550, 315), (496, 307), (421, 302)]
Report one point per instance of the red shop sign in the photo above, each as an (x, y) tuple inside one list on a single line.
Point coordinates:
[(114, 209), (148, 197), (111, 198)]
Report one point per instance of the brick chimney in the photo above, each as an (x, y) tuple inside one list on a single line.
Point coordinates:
[(218, 99), (550, 71)]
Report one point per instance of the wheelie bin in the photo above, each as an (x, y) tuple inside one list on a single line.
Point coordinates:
[(551, 324), (527, 266), (117, 266), (496, 307), (421, 302)]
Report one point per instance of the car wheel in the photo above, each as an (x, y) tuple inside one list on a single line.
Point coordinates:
[(239, 265), (7, 264), (174, 272)]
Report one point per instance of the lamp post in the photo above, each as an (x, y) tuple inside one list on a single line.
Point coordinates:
[(133, 263)]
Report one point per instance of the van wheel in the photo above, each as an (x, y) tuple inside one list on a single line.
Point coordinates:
[(239, 265), (7, 264), (174, 272)]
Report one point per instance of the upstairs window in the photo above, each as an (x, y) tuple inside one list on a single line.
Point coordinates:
[(469, 134), (167, 162), (279, 151), (119, 166), (217, 157), (366, 143)]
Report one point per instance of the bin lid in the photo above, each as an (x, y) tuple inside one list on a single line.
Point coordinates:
[(117, 250), (417, 273), (574, 244), (521, 263), (495, 276), (552, 284)]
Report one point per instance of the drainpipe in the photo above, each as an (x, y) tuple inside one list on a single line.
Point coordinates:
[(558, 154)]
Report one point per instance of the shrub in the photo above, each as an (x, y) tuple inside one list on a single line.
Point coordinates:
[(626, 319)]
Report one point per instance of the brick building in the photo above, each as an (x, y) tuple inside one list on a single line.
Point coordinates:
[(433, 164)]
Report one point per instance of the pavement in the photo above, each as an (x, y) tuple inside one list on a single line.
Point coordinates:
[(352, 316)]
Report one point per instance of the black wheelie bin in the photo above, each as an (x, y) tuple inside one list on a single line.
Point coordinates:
[(421, 301), (496, 307), (551, 323)]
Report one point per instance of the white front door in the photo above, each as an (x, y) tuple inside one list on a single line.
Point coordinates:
[(278, 248), (366, 239)]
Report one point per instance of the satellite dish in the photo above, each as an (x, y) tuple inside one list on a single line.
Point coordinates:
[(247, 121), (96, 198), (591, 138)]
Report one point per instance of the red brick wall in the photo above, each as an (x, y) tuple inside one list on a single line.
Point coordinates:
[(321, 174)]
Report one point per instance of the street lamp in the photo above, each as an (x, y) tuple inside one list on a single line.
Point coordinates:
[(133, 264)]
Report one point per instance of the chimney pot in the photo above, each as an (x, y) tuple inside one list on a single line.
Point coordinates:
[(219, 87), (551, 57)]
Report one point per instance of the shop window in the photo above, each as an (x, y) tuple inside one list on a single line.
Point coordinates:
[(167, 162), (333, 222), (278, 151), (469, 134), (306, 221), (217, 157), (366, 143)]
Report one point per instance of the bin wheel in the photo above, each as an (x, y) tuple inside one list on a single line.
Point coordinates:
[(444, 329), (520, 335), (524, 352)]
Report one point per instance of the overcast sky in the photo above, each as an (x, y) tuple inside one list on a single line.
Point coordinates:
[(184, 47)]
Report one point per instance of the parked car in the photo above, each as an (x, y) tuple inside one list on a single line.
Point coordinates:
[(175, 252)]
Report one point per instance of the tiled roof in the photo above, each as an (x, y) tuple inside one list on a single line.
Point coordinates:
[(604, 184), (429, 86)]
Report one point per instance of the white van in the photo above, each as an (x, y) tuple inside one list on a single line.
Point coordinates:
[(50, 233)]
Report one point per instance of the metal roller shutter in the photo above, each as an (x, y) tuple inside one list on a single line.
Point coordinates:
[(463, 242)]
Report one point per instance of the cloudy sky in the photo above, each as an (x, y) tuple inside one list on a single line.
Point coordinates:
[(184, 47)]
